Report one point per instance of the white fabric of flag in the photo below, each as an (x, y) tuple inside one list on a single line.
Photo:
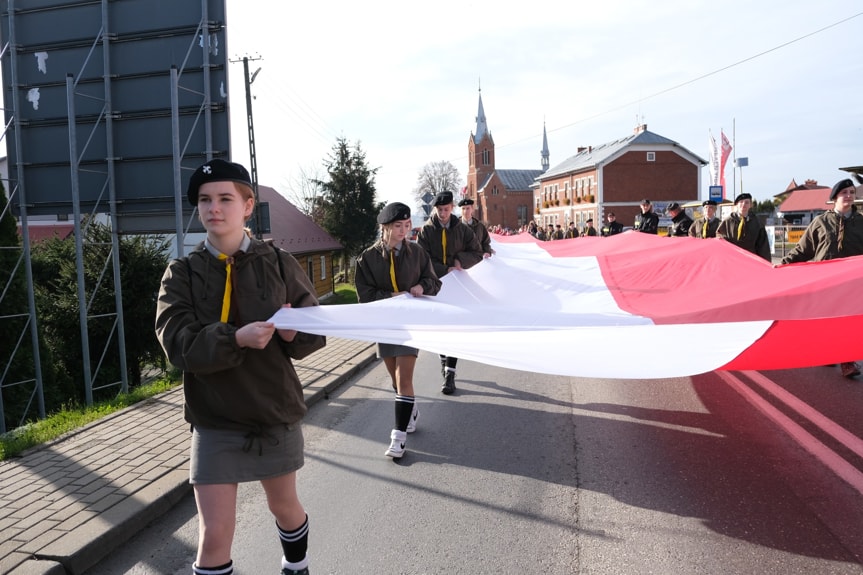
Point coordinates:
[(631, 306)]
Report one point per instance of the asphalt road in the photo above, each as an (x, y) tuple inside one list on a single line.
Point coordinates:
[(526, 473)]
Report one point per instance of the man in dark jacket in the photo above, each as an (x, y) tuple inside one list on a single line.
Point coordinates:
[(612, 227), (647, 221), (837, 233), (680, 221), (452, 246)]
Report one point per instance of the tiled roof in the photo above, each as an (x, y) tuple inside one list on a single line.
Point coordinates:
[(593, 156), (292, 230), (518, 180), (806, 200)]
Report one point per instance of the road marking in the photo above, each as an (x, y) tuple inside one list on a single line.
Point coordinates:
[(810, 443), (824, 423)]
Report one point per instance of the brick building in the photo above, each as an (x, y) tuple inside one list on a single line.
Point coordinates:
[(616, 176), (503, 197)]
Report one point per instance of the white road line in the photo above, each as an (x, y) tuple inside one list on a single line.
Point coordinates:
[(824, 454), (826, 424)]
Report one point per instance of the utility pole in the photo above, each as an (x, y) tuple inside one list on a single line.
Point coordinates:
[(253, 160)]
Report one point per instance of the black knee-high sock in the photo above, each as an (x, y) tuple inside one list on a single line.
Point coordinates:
[(226, 569), (295, 543), (404, 409), (451, 361)]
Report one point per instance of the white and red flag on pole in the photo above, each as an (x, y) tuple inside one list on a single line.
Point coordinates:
[(631, 306), (726, 152), (713, 156)]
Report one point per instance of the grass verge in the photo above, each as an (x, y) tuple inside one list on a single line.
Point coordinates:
[(70, 418)]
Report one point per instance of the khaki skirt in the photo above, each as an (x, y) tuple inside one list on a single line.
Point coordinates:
[(221, 456), (393, 350)]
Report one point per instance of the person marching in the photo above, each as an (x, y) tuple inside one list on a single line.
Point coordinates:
[(478, 228), (837, 233), (589, 230), (612, 227), (705, 226), (452, 246), (242, 396), (571, 232), (744, 230), (392, 267), (647, 221), (680, 221)]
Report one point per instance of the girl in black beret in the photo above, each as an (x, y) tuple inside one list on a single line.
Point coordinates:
[(392, 267)]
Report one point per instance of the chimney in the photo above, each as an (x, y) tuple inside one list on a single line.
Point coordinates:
[(640, 128), (580, 149), (811, 183)]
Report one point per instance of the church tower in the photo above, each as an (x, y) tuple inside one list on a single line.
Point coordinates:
[(480, 153)]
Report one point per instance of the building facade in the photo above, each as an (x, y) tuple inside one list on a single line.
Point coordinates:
[(616, 176)]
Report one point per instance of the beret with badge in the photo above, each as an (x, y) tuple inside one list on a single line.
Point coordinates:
[(708, 203), (741, 197), (394, 212), (465, 202), (216, 170)]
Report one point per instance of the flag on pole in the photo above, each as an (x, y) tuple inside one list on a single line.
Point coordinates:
[(713, 156), (618, 307), (726, 151)]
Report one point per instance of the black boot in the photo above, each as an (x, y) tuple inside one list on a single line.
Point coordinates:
[(443, 367), (448, 383)]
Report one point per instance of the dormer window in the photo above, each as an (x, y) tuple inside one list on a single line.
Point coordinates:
[(651, 156)]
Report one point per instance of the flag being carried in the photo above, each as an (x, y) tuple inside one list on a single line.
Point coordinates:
[(619, 307)]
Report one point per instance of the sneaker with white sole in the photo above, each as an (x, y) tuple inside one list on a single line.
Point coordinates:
[(412, 424), (397, 444)]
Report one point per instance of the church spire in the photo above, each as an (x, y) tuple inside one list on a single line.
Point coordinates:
[(481, 125), (544, 155)]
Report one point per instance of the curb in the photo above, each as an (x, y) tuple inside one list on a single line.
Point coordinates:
[(76, 552)]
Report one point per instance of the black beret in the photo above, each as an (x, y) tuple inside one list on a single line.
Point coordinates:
[(645, 201), (589, 221), (841, 185), (708, 203), (395, 211), (443, 198), (465, 202), (216, 171), (741, 197), (672, 206)]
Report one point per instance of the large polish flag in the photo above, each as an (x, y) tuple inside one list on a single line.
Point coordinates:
[(631, 306)]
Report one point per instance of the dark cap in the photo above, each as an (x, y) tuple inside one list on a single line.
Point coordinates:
[(645, 201), (443, 198), (393, 212), (216, 171), (841, 185), (589, 221), (672, 206), (741, 197), (708, 203), (465, 202)]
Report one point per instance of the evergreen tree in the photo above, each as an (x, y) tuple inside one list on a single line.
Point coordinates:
[(348, 207), (20, 402), (55, 274)]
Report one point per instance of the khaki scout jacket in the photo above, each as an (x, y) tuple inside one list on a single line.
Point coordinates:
[(412, 267), (226, 386)]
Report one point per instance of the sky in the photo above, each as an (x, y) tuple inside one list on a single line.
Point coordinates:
[(782, 79)]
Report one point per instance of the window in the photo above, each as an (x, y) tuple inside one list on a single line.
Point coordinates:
[(310, 268), (486, 157), (323, 267), (651, 156)]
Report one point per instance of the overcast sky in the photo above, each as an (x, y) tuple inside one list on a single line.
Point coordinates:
[(782, 78)]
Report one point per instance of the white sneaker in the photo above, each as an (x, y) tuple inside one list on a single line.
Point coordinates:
[(412, 424), (397, 444)]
